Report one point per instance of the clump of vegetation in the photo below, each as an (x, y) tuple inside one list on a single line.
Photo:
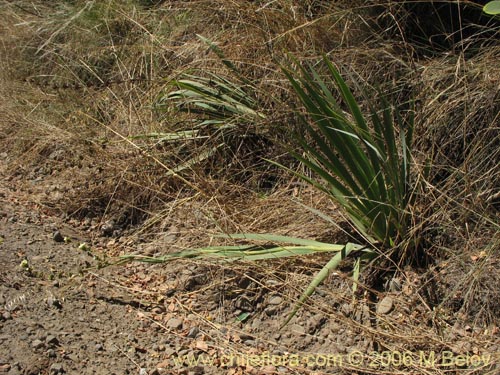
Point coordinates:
[(363, 168), (125, 113)]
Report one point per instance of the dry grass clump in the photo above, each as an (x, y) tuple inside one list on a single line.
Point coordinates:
[(459, 123)]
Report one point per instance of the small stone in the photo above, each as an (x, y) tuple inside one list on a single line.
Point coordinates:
[(158, 310), (193, 332), (276, 300), (57, 368), (385, 306), (174, 323), (54, 302), (108, 228), (51, 353), (37, 344), (58, 237), (99, 348), (7, 315), (52, 340), (271, 311), (143, 371)]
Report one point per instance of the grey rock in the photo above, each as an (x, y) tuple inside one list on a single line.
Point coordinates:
[(175, 323), (108, 228), (271, 311), (6, 315), (52, 340), (58, 237), (37, 344), (57, 368), (143, 371), (99, 347), (385, 306), (276, 300), (51, 353), (193, 332)]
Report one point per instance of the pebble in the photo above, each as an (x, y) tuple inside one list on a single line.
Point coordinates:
[(385, 306), (193, 332), (57, 368), (276, 300), (7, 315), (174, 323), (58, 237), (54, 302), (108, 228), (271, 311), (99, 347), (37, 344), (52, 340)]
